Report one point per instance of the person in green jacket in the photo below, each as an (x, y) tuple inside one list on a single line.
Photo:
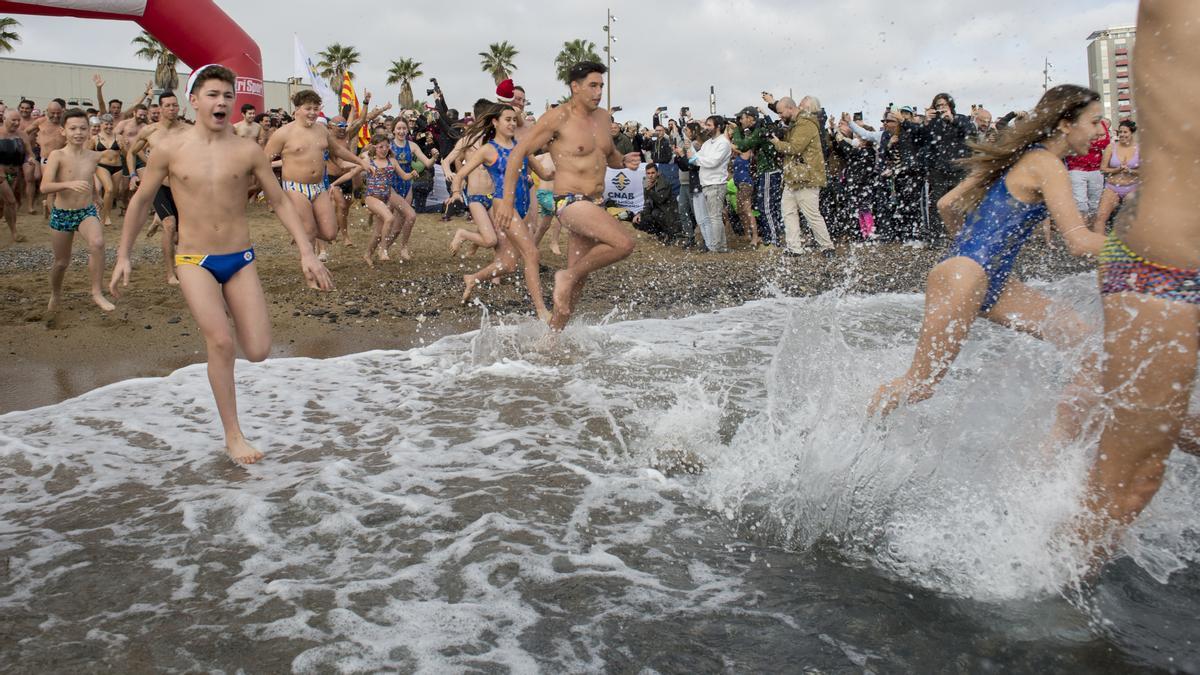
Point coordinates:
[(753, 134), (803, 173)]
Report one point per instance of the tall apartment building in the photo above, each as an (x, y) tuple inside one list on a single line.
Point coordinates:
[(1109, 62)]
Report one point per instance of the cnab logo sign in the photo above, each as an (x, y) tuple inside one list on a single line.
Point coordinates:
[(621, 181), (249, 86)]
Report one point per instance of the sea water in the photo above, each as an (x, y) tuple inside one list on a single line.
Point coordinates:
[(693, 495)]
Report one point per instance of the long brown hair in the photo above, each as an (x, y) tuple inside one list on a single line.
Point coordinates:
[(992, 159), (482, 129)]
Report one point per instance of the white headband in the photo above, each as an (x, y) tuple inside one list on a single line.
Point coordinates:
[(196, 73)]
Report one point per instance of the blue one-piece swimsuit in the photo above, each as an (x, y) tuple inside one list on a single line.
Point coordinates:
[(521, 198), (994, 233), (404, 159)]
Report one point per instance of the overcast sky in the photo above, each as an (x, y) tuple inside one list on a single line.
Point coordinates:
[(852, 54)]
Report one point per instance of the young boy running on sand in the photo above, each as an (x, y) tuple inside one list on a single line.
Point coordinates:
[(71, 173), (305, 146), (212, 169)]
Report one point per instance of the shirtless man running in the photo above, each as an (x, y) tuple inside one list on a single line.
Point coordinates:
[(212, 169), (249, 128), (1150, 283), (305, 146), (578, 138), (147, 141), (48, 136)]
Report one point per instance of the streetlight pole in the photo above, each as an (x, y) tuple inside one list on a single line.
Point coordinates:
[(608, 56)]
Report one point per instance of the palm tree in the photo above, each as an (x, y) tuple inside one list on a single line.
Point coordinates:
[(404, 71), (7, 35), (150, 49), (336, 61), (573, 52), (498, 61)]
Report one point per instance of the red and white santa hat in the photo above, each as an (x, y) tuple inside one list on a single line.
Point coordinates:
[(505, 91)]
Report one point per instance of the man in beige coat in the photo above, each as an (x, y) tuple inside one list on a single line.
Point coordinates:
[(803, 173)]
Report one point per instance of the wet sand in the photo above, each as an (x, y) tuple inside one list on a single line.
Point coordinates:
[(397, 305)]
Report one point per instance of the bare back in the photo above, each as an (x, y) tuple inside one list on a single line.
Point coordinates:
[(209, 182), (1166, 224), (580, 149)]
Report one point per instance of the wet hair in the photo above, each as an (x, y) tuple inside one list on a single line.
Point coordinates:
[(213, 72), (76, 112), (304, 97), (246, 107), (944, 97), (1128, 124), (483, 129), (581, 70), (992, 159), (166, 95)]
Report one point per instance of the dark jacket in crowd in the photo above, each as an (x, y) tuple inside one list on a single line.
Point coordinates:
[(943, 141), (661, 151), (448, 131), (660, 214)]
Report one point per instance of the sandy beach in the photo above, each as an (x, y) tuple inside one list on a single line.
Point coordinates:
[(397, 305)]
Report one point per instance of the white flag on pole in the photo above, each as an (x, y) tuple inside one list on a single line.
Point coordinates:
[(305, 68)]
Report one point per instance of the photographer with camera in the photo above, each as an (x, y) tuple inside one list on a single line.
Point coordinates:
[(943, 141), (752, 135), (803, 172)]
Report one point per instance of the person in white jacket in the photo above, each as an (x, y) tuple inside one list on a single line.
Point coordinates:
[(712, 167)]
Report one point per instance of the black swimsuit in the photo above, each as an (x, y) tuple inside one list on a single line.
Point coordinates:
[(112, 169)]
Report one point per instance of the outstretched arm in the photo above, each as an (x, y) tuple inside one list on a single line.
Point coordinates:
[(153, 175), (100, 102), (473, 162), (1064, 212), (315, 273), (538, 137), (339, 150)]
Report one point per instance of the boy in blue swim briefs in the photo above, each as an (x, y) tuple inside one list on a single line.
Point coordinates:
[(70, 174), (215, 262)]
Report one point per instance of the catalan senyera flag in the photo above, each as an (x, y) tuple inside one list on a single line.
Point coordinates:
[(349, 97)]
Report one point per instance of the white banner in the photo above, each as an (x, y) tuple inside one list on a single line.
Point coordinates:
[(130, 7), (625, 188), (305, 68)]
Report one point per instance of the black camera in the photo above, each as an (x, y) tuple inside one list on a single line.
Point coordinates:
[(436, 88)]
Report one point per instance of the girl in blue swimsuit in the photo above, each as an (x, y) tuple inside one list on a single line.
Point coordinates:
[(404, 152), (1015, 183), (495, 129)]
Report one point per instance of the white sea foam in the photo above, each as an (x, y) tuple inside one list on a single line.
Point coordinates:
[(488, 501)]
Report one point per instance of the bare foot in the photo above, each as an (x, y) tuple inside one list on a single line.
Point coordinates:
[(18, 238), (50, 317), (544, 315), (172, 280), (405, 254), (346, 242), (103, 303), (383, 254), (472, 249), (242, 452), (367, 259), (456, 242), (153, 228), (108, 222), (562, 300), (469, 283), (554, 248)]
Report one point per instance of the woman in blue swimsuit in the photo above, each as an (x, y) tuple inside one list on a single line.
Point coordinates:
[(404, 151), (495, 131), (1015, 183)]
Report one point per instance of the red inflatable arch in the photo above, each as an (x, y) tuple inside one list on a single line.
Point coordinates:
[(196, 31)]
